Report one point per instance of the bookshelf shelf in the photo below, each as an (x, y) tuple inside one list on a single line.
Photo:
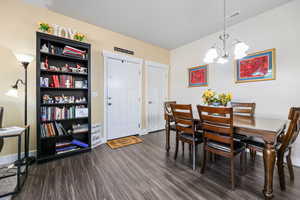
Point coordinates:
[(63, 155), (63, 104), (43, 71), (63, 56), (50, 88), (69, 119), (53, 132)]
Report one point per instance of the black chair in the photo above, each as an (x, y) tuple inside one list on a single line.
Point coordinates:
[(1, 120)]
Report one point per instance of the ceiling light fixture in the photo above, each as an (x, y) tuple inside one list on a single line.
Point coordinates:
[(221, 55)]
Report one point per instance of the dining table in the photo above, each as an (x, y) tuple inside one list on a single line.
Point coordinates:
[(267, 129)]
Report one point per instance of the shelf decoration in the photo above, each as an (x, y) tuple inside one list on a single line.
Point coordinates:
[(198, 76), (44, 27), (259, 66), (79, 36), (61, 31)]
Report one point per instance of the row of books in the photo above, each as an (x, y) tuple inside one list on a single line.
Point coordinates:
[(59, 113), (62, 81), (52, 129), (67, 50), (80, 128), (64, 147)]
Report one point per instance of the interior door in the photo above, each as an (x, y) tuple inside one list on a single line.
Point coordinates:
[(157, 93), (123, 98)]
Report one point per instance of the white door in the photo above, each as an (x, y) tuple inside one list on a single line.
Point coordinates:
[(123, 98), (157, 93)]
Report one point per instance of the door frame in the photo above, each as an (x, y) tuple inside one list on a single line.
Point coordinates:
[(157, 65), (110, 55)]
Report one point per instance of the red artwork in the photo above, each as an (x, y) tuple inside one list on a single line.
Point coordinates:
[(198, 76), (254, 67)]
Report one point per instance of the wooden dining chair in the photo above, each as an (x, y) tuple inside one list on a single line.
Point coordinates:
[(170, 122), (186, 128), (246, 109), (1, 124), (284, 145), (217, 124)]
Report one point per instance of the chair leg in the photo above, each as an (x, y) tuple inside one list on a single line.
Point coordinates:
[(194, 156), (167, 136), (190, 148), (290, 164), (280, 168), (176, 147), (204, 159), (232, 173), (242, 157), (253, 154), (182, 143)]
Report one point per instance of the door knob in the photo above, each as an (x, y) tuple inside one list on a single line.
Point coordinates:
[(150, 102), (109, 104)]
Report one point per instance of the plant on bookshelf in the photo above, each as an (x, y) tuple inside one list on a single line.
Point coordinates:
[(63, 97)]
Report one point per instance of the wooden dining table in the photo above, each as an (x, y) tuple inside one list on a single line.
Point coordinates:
[(268, 130)]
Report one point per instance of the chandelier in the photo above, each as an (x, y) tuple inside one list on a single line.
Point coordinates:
[(221, 54)]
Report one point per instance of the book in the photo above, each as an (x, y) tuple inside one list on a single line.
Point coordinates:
[(79, 143)]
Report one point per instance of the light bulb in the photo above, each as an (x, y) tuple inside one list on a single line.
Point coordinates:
[(222, 60), (240, 50), (211, 55), (12, 93)]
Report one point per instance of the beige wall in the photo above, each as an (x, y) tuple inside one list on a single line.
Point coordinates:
[(278, 28), (18, 22)]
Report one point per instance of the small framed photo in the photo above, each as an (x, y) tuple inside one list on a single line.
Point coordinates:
[(78, 84), (198, 76), (260, 66)]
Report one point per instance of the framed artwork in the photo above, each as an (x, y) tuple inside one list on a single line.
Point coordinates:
[(198, 76), (260, 66)]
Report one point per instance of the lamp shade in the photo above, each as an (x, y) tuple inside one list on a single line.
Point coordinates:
[(13, 92), (211, 55), (24, 57)]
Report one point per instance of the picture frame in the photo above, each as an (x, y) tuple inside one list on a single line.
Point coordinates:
[(259, 66), (198, 76)]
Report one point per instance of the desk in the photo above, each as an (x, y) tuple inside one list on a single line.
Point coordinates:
[(17, 132)]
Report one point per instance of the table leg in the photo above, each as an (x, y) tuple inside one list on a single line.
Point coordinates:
[(269, 163), (167, 136)]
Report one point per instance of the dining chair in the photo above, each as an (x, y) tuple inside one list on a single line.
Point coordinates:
[(186, 128), (170, 122), (1, 124), (284, 145), (217, 124), (246, 109)]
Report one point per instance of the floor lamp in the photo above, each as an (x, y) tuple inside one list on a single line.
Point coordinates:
[(25, 60)]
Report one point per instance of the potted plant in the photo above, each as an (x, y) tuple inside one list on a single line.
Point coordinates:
[(209, 97), (79, 36), (224, 98), (44, 27)]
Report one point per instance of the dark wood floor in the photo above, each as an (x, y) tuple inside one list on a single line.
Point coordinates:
[(145, 171)]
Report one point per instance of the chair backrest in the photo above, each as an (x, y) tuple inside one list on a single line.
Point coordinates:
[(217, 123), (167, 109), (247, 109), (292, 114), (1, 124), (183, 116), (1, 116), (292, 131)]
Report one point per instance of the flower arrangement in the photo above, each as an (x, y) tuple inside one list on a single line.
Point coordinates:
[(210, 97), (44, 27), (79, 36), (225, 98)]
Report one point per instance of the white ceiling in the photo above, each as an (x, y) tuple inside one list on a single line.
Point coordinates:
[(165, 23)]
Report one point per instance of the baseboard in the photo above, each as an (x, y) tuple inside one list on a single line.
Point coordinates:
[(13, 157), (143, 132)]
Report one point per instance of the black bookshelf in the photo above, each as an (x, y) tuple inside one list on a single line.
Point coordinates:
[(52, 87)]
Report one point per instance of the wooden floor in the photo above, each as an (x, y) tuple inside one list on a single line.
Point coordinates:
[(145, 171)]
